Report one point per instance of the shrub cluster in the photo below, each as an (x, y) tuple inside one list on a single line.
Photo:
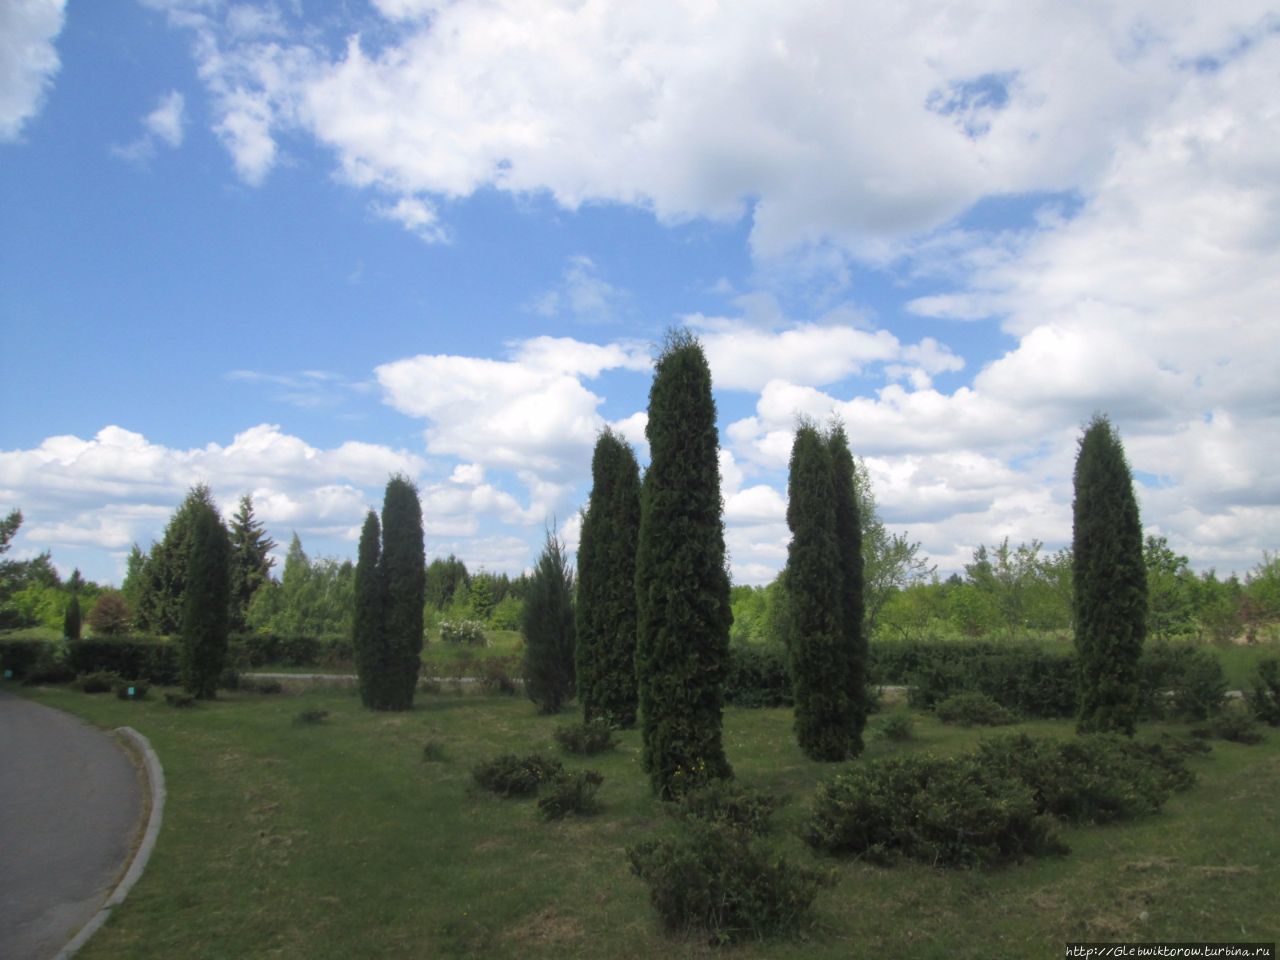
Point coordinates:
[(155, 661), (1020, 677), (494, 675), (513, 776), (1233, 725), (1180, 681), (589, 738), (994, 806), (712, 879), (100, 681), (571, 793), (897, 727), (972, 710), (469, 633), (1264, 699), (731, 805), (758, 676)]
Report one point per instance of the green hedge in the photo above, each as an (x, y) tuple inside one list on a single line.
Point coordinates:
[(757, 676), (135, 658), (279, 650), (20, 657)]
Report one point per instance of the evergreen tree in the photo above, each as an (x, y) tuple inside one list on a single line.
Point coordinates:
[(819, 661), (848, 532), (606, 612), (134, 576), (683, 614), (444, 579), (404, 568), (160, 601), (250, 560), (1109, 582), (547, 624), (71, 619), (369, 630), (206, 601)]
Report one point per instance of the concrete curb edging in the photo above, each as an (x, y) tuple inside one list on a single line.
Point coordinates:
[(155, 780)]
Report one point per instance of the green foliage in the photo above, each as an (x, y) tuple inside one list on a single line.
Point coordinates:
[(160, 607), (131, 690), (972, 710), (606, 610), (20, 657), (276, 650), (402, 574), (71, 619), (1022, 678), (1180, 681), (852, 586), (1016, 589), (820, 654), (943, 811), (1234, 725), (469, 633), (682, 585), (1171, 590), (156, 662), (312, 717), (548, 630), (250, 561), (369, 634), (110, 615), (206, 602), (100, 681), (758, 676), (314, 597), (433, 752), (718, 882), (443, 579), (729, 804), (494, 675), (513, 776), (507, 613), (1264, 699), (587, 738), (1109, 600), (179, 700), (571, 793), (897, 727)]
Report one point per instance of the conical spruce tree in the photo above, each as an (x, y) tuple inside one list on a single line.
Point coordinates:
[(606, 609), (206, 602), (682, 587), (848, 532), (71, 619), (547, 625), (250, 560), (819, 659), (404, 568), (368, 630), (160, 597), (1109, 590)]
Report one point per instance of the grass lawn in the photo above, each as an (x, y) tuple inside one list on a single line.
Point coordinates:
[(338, 840)]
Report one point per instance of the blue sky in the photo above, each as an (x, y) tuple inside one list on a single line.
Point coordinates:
[(288, 248)]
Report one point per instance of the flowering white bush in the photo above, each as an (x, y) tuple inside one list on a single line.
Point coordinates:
[(468, 632)]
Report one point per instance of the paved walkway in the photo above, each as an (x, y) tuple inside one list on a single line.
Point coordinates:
[(71, 807)]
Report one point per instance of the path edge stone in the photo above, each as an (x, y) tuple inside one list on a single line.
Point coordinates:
[(155, 781)]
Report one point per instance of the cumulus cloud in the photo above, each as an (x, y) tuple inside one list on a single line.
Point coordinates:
[(28, 59)]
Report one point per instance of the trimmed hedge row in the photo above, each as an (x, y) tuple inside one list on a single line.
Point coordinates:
[(18, 658), (280, 650)]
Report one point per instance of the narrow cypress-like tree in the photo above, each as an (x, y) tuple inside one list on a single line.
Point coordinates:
[(819, 660), (547, 625), (682, 586), (404, 568), (848, 532), (71, 619), (368, 631), (606, 609), (1109, 591), (206, 602)]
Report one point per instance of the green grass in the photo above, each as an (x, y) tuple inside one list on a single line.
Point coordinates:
[(337, 840)]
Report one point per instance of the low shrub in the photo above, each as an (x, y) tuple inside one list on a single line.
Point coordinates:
[(131, 690), (952, 811), (100, 681), (715, 881), (433, 752), (1233, 725), (972, 710), (571, 793), (758, 676), (494, 676), (730, 804), (1180, 682), (1091, 779), (1264, 698), (898, 727), (587, 738), (1022, 678), (180, 700), (230, 679), (513, 776), (312, 717), (468, 633), (253, 685)]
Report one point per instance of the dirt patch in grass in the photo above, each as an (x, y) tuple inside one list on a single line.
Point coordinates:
[(547, 928)]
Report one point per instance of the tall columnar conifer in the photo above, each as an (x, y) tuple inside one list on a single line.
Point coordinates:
[(1109, 594), (368, 630), (819, 659), (206, 601), (848, 532), (606, 610), (164, 576), (404, 578), (71, 619), (682, 587), (547, 626)]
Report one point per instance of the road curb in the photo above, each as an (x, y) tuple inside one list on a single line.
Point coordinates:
[(155, 780)]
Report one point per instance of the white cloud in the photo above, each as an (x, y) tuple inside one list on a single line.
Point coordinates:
[(28, 59), (415, 215), (582, 294), (164, 125)]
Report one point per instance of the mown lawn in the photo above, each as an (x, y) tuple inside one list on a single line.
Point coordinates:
[(338, 840)]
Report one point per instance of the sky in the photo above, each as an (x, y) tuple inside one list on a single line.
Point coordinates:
[(289, 248)]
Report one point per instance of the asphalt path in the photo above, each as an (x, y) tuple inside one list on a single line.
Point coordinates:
[(71, 808)]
